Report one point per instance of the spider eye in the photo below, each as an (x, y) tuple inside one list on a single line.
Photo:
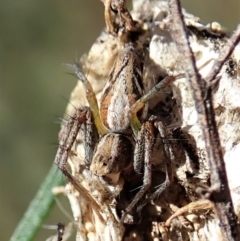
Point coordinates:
[(105, 164)]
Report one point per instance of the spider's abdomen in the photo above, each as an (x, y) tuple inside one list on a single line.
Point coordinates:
[(122, 90)]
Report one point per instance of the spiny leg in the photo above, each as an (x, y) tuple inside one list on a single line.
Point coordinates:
[(138, 105), (146, 147), (68, 136), (169, 159), (146, 134), (90, 138), (91, 97)]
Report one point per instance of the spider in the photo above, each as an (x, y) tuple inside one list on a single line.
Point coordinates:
[(125, 138)]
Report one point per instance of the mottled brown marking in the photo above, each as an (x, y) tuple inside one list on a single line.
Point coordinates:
[(123, 89)]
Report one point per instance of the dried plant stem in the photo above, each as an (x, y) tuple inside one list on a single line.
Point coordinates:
[(202, 95), (224, 55), (39, 208)]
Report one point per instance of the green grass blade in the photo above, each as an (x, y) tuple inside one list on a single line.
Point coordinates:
[(39, 207)]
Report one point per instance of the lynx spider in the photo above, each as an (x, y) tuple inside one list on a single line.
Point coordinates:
[(122, 99), (115, 142), (101, 128)]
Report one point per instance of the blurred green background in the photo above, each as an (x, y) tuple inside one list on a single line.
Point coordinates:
[(36, 37)]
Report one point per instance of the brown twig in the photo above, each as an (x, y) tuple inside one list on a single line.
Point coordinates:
[(224, 55), (191, 207), (202, 95)]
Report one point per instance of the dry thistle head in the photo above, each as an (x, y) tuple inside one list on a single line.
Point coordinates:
[(175, 106)]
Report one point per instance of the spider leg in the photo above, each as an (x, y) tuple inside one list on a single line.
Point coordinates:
[(169, 159), (139, 104), (144, 135), (90, 137), (68, 136), (91, 97), (147, 135)]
